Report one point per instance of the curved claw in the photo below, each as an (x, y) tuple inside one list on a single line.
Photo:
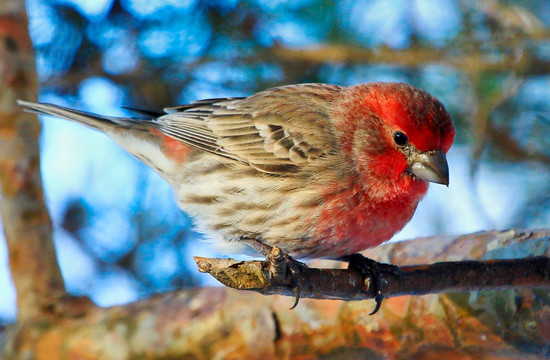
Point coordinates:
[(371, 270), (294, 268), (378, 298), (283, 268), (297, 298)]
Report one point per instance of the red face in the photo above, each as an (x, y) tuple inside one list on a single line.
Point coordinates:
[(420, 116), (396, 129)]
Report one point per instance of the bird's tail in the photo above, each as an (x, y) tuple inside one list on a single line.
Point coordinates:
[(139, 137), (98, 122)]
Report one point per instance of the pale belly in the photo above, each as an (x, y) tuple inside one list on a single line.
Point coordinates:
[(295, 220)]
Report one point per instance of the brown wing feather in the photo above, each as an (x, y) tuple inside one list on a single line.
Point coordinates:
[(271, 131)]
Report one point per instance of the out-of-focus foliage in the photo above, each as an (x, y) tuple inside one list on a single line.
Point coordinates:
[(488, 61)]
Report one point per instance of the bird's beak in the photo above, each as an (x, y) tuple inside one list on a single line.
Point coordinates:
[(430, 166)]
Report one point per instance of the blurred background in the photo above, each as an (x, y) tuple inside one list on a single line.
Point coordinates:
[(119, 235)]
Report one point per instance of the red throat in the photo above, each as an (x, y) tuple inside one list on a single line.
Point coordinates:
[(357, 218)]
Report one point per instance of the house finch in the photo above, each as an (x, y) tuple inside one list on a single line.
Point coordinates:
[(317, 170)]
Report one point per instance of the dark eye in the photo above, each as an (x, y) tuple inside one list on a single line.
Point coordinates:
[(400, 138)]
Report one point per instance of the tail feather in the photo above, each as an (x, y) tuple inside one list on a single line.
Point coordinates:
[(137, 136), (98, 122)]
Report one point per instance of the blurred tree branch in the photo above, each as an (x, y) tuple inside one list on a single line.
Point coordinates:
[(26, 222), (413, 57)]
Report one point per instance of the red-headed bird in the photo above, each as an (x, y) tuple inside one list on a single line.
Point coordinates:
[(317, 170)]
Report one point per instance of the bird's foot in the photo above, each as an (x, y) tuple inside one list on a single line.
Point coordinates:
[(373, 272), (283, 269)]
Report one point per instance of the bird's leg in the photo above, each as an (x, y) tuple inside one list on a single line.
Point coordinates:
[(283, 269), (374, 270)]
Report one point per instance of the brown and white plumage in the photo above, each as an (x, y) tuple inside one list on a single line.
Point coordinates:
[(292, 166)]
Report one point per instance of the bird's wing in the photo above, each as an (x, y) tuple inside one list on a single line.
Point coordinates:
[(276, 131)]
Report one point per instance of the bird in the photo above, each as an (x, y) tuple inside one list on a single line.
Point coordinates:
[(317, 170), (312, 170)]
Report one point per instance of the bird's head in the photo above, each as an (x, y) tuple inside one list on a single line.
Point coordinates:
[(396, 133)]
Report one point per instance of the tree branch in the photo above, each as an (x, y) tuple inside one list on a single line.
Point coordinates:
[(27, 225), (412, 57), (224, 323), (349, 284), (279, 274)]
